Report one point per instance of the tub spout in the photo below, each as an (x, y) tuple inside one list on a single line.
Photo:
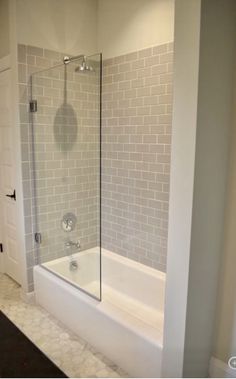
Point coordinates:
[(71, 244)]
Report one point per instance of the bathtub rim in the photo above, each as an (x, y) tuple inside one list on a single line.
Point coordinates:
[(134, 264), (119, 258), (127, 262)]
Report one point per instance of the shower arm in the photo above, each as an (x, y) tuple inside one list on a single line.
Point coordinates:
[(67, 59)]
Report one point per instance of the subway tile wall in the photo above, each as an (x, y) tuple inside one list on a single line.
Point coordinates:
[(136, 135), (60, 158), (136, 140)]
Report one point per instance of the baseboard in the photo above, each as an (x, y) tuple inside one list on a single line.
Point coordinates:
[(220, 369), (28, 297)]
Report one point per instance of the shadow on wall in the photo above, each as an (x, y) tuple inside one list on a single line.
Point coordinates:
[(65, 122)]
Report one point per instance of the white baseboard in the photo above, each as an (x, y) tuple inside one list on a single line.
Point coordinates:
[(220, 369), (28, 297)]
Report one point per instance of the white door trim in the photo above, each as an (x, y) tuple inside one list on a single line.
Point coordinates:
[(4, 65)]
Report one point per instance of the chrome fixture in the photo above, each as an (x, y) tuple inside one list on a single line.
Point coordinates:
[(71, 244), (68, 222), (67, 59), (83, 67), (75, 246), (38, 237), (73, 265), (33, 106)]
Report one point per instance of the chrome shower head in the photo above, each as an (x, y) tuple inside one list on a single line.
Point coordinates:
[(84, 66)]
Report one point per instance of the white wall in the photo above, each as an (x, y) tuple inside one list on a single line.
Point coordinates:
[(114, 27), (194, 255), (69, 26), (129, 25), (225, 341), (215, 104), (184, 124), (4, 28)]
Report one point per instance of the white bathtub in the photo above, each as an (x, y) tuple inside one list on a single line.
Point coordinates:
[(127, 325)]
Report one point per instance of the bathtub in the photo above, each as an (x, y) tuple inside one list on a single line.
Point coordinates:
[(127, 325)]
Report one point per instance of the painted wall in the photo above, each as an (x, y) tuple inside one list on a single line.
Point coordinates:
[(215, 104), (225, 338), (195, 241), (111, 26), (69, 26), (4, 27), (129, 25), (184, 123)]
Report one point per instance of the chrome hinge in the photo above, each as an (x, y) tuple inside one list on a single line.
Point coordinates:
[(38, 237), (33, 106), (1, 248)]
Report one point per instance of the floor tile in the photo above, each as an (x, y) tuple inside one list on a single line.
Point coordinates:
[(70, 353)]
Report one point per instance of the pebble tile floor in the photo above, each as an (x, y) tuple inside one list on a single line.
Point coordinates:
[(75, 357)]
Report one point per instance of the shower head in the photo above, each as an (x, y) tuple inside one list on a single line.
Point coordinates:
[(84, 66)]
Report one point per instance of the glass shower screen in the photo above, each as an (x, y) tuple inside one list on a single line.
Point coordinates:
[(66, 138)]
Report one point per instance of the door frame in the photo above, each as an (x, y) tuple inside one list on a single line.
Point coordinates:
[(6, 64)]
